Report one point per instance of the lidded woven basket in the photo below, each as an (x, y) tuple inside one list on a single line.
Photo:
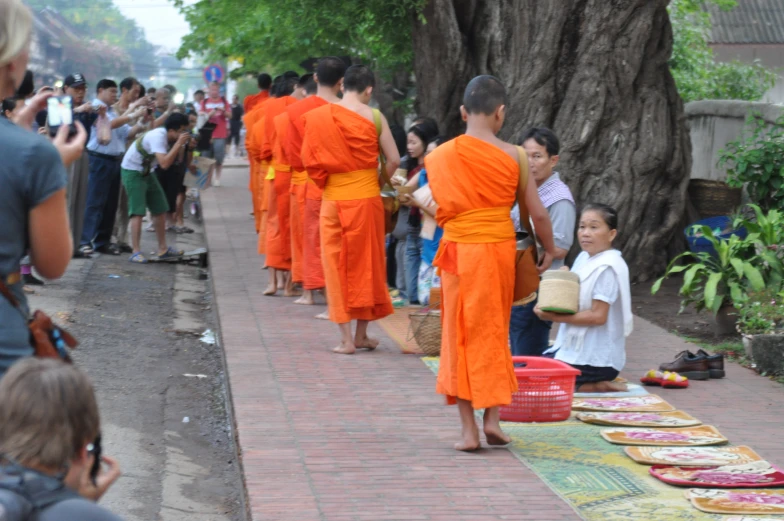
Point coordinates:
[(559, 292)]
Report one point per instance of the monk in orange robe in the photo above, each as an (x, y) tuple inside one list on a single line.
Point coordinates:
[(340, 149), (258, 167), (278, 247), (264, 82), (474, 179), (306, 197)]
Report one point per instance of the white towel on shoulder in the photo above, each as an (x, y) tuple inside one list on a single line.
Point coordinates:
[(589, 272)]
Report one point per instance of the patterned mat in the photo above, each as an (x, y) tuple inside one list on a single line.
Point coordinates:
[(595, 477)]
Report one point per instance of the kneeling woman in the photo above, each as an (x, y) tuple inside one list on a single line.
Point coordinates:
[(594, 339)]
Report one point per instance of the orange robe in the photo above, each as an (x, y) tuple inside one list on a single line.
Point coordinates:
[(250, 101), (340, 151), (257, 166), (261, 188), (475, 184), (278, 226), (304, 224)]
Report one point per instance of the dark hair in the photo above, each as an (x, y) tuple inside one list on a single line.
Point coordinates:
[(171, 88), (399, 135), (287, 86), (544, 137), (427, 123), (425, 133), (330, 70), (9, 104), (358, 78), (264, 81), (142, 91), (438, 140), (276, 86), (176, 121), (151, 91), (608, 213), (484, 94), (128, 83), (198, 92), (290, 74), (105, 84)]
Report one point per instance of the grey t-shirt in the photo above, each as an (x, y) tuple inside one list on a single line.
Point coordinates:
[(77, 509), (30, 172)]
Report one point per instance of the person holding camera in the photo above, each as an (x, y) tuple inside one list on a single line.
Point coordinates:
[(51, 464), (32, 198), (161, 147)]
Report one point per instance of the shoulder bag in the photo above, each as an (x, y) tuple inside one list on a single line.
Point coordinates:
[(526, 273), (389, 194)]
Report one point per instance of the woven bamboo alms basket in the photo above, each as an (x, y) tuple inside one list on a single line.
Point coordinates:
[(559, 292), (425, 327)]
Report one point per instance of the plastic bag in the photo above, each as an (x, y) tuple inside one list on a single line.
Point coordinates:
[(103, 127)]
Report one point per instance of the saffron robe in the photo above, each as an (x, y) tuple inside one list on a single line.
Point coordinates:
[(475, 186), (340, 151)]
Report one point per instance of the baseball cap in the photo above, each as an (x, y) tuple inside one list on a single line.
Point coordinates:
[(74, 80)]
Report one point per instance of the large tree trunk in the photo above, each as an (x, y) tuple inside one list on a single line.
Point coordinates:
[(593, 70)]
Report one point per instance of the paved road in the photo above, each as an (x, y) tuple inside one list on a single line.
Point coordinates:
[(138, 326)]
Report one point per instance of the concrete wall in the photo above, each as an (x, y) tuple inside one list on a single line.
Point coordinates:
[(713, 124)]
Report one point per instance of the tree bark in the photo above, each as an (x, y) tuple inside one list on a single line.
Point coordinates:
[(596, 72)]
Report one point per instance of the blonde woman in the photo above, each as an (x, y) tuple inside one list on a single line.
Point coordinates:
[(33, 179)]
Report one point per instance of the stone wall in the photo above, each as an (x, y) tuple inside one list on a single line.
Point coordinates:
[(713, 124)]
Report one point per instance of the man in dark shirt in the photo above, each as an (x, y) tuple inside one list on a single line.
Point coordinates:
[(76, 86), (235, 125)]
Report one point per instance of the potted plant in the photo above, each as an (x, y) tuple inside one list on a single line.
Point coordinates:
[(714, 282), (761, 322)]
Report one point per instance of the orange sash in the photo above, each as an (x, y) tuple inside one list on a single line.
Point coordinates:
[(359, 184), (299, 177)]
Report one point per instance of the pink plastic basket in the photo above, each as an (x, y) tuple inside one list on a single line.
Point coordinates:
[(546, 390)]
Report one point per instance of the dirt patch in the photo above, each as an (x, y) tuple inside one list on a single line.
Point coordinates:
[(662, 309)]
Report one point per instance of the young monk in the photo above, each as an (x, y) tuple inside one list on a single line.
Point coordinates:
[(474, 180), (278, 247), (264, 81), (328, 80), (340, 149), (298, 179), (250, 103), (262, 158)]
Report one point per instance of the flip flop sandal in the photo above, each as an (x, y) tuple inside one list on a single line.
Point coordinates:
[(171, 253), (138, 258), (674, 381), (652, 377), (87, 250)]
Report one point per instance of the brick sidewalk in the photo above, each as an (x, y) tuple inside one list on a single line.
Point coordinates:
[(325, 437)]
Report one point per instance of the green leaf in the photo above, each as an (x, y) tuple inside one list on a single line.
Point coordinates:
[(738, 265), (754, 277), (736, 293), (711, 288), (656, 286), (688, 277)]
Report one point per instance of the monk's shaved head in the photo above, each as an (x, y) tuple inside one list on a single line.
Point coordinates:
[(264, 81), (287, 86), (330, 70), (484, 95), (290, 74), (358, 78), (276, 86), (307, 83)]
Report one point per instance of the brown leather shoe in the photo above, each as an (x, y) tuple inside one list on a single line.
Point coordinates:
[(715, 364), (686, 363)]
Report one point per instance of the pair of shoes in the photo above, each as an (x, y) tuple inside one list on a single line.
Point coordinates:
[(701, 366), (182, 229), (150, 228), (31, 280), (124, 248), (666, 379), (399, 302), (86, 250), (79, 254), (109, 249)]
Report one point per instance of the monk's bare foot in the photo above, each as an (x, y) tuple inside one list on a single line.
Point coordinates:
[(305, 300), (470, 441), (493, 433), (366, 343), (345, 349), (603, 387), (291, 293), (270, 291), (323, 316)]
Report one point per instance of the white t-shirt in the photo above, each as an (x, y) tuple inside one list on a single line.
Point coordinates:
[(604, 346), (154, 142)]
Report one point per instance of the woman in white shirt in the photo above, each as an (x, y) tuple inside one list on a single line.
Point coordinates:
[(594, 339)]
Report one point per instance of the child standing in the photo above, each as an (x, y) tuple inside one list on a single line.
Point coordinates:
[(594, 339)]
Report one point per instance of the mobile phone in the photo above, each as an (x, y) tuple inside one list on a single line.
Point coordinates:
[(97, 463), (60, 112)]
